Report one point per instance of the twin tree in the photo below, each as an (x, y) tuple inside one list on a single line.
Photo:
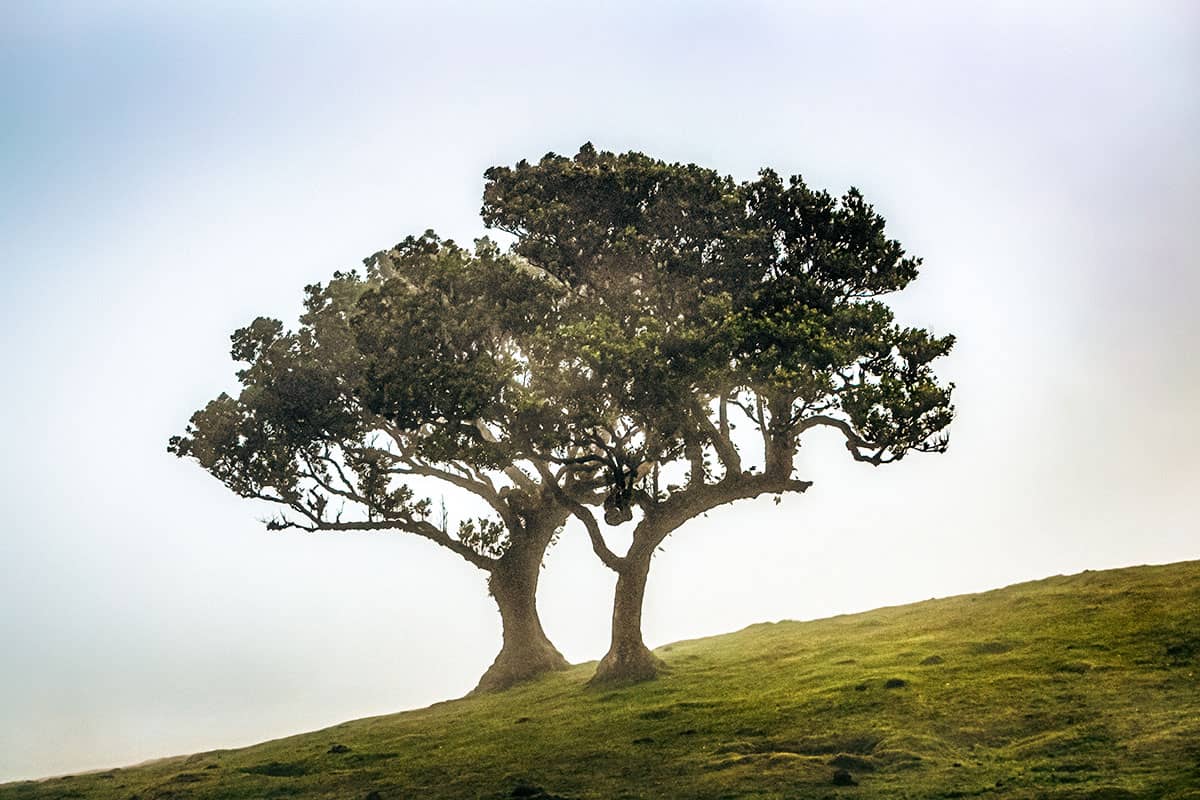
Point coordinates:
[(655, 344)]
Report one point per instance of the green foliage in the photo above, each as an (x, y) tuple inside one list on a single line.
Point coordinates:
[(438, 336), (1063, 689), (685, 287), (396, 372), (601, 220), (638, 296), (482, 535)]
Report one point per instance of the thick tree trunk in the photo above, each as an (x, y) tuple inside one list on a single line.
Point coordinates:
[(628, 659), (526, 652)]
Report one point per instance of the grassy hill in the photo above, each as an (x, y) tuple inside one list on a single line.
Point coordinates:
[(1085, 686)]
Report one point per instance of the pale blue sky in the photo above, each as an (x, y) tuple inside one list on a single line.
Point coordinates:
[(167, 175)]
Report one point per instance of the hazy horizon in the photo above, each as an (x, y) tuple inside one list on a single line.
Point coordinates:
[(169, 176)]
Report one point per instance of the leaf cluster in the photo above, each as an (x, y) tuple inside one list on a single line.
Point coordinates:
[(687, 290), (406, 369)]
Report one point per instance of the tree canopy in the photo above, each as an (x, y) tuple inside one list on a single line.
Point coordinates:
[(605, 359), (408, 371)]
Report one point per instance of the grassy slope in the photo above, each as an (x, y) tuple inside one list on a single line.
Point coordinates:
[(1071, 687)]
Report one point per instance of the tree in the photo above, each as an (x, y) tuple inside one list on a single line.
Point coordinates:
[(407, 373), (644, 311), (693, 301)]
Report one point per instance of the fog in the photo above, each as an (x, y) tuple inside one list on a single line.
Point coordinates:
[(167, 176)]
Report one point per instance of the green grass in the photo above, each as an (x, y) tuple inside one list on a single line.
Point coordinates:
[(1072, 687)]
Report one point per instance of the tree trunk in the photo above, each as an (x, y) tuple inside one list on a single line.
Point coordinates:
[(628, 659), (526, 652)]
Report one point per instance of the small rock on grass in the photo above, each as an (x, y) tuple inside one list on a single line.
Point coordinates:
[(843, 778)]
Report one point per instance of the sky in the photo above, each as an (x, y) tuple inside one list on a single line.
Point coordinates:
[(169, 173)]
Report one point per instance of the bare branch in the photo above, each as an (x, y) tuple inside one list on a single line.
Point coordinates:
[(719, 437), (694, 501), (348, 493), (421, 528), (577, 508), (484, 490), (599, 546), (761, 416), (520, 479), (695, 456), (749, 412), (380, 519), (855, 444)]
